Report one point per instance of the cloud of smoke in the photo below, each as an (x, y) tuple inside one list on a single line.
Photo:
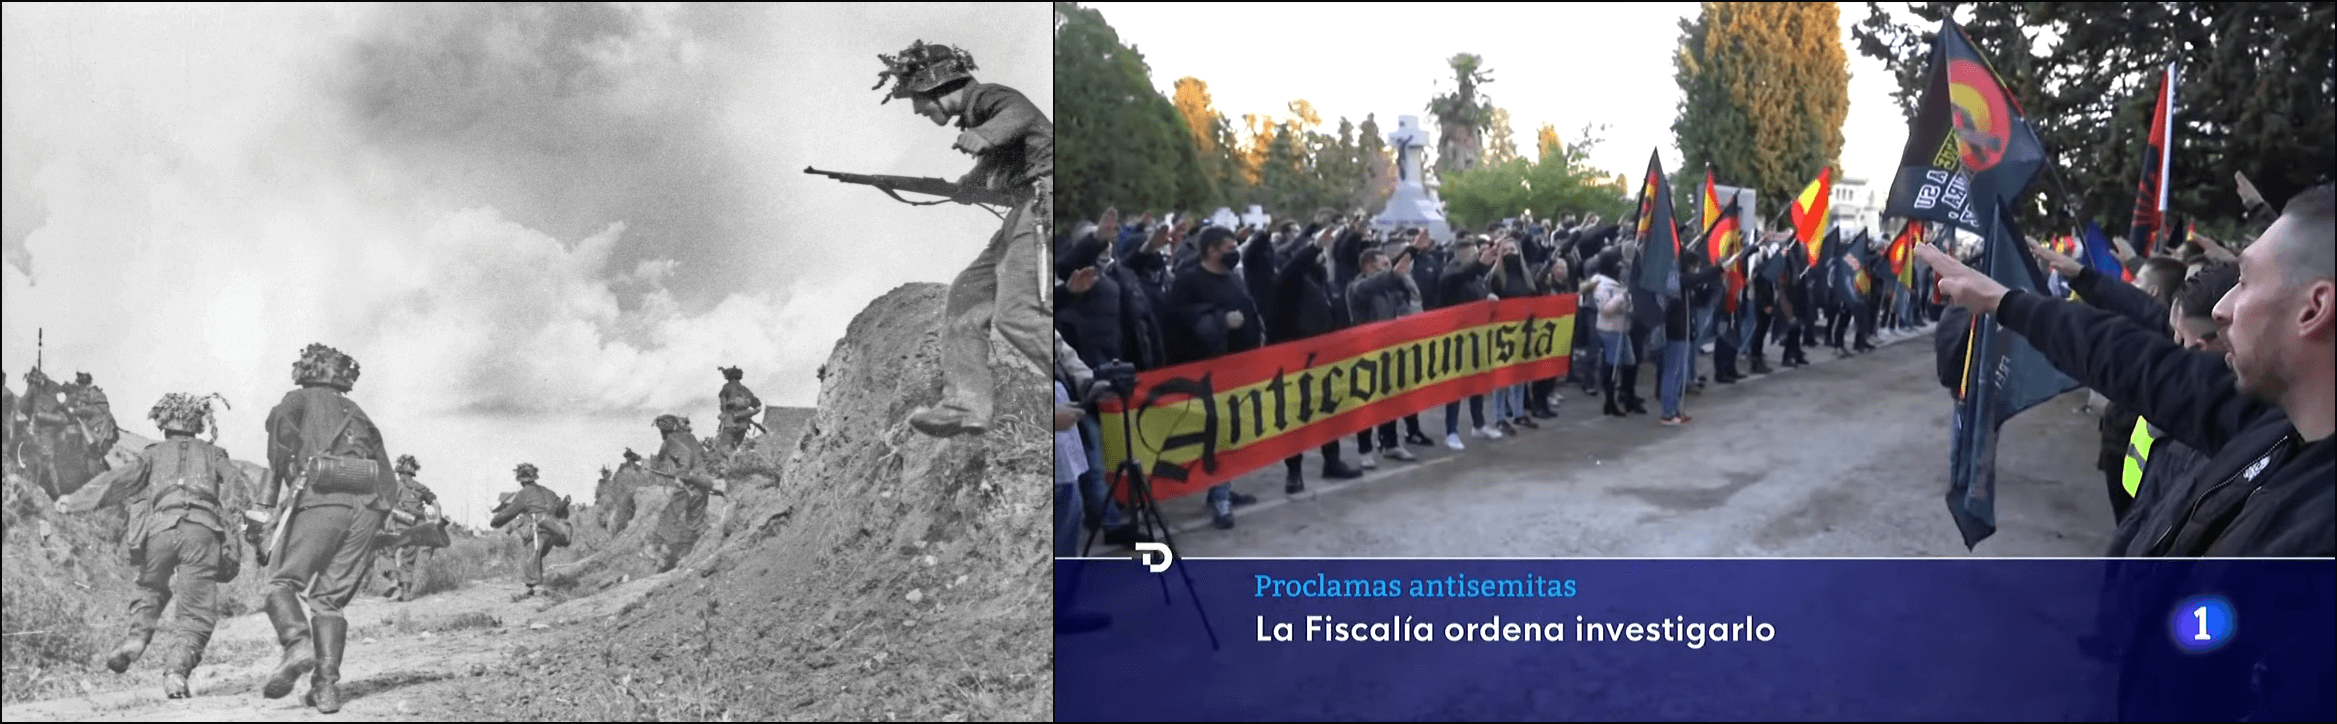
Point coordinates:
[(535, 226)]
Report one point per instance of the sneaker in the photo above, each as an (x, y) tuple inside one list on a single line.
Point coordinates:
[(1489, 433), (1505, 428), (1453, 440), (1402, 454), (1336, 469), (1294, 484), (1242, 499), (1221, 515), (1528, 422), (1675, 421), (1414, 438), (1370, 461)]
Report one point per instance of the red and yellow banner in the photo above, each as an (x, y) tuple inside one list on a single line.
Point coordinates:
[(1209, 422), (1811, 212)]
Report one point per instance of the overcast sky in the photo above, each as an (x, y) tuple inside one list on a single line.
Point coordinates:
[(535, 227), (1564, 64)]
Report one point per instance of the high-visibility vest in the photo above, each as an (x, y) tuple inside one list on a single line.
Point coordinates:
[(2138, 453)]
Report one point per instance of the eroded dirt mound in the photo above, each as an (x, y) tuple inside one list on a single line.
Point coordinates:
[(883, 575)]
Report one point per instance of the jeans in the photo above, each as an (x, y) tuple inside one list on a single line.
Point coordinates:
[(1508, 403), (1676, 355), (1096, 489), (1617, 349), (1452, 415), (1701, 327), (1068, 517)]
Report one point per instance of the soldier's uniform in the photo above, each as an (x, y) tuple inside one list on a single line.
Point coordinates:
[(96, 415), (184, 497), (318, 436), (739, 406), (413, 509), (531, 507), (1014, 145), (680, 460), (616, 500)]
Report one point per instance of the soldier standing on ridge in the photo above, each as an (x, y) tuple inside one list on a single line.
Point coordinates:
[(182, 495), (739, 406), (1014, 145), (332, 470), (415, 508), (542, 522)]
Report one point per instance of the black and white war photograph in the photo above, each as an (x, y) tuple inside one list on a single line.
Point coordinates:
[(411, 312)]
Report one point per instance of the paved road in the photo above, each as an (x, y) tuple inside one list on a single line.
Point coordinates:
[(1847, 457)]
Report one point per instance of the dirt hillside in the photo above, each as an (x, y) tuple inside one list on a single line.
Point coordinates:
[(865, 572)]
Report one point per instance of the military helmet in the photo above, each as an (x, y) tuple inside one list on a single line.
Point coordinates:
[(182, 412), (731, 373), (525, 471), (407, 464), (630, 455), (670, 423), (322, 365), (923, 68)]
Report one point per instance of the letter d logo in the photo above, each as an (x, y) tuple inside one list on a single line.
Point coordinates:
[(1144, 551)]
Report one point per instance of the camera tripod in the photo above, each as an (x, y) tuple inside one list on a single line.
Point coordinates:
[(1145, 512)]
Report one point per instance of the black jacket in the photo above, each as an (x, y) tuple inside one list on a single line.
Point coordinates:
[(2262, 491), (1463, 282), (2289, 508), (1303, 303), (1197, 303)]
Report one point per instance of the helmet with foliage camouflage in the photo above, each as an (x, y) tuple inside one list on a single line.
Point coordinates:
[(525, 471), (322, 365), (182, 412), (922, 69), (671, 423), (407, 464)]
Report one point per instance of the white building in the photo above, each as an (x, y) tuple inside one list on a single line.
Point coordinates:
[(1855, 206)]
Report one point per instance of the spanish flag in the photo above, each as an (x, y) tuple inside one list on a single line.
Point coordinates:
[(1811, 213)]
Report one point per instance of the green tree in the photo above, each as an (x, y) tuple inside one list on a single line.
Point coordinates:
[(1120, 143), (1561, 181), (1379, 166), (1764, 88), (2257, 94), (1462, 116)]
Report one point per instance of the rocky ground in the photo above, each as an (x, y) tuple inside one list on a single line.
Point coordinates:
[(876, 575)]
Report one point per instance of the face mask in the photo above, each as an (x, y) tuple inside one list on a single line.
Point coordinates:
[(1229, 259)]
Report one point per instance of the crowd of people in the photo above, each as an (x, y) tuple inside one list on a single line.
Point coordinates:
[(1154, 292)]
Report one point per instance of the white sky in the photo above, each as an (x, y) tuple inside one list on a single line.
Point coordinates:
[(535, 228), (1564, 64)]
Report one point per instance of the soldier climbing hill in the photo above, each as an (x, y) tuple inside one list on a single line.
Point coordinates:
[(739, 406), (183, 495), (542, 519), (681, 459), (1014, 145), (331, 471)]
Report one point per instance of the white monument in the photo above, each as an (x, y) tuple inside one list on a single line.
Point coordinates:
[(1414, 203), (1257, 217)]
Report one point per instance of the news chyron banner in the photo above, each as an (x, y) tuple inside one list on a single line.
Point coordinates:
[(1203, 423), (1415, 639)]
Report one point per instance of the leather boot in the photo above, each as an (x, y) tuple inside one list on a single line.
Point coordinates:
[(291, 622), (1629, 387), (130, 649), (174, 681), (324, 689), (1607, 390)]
